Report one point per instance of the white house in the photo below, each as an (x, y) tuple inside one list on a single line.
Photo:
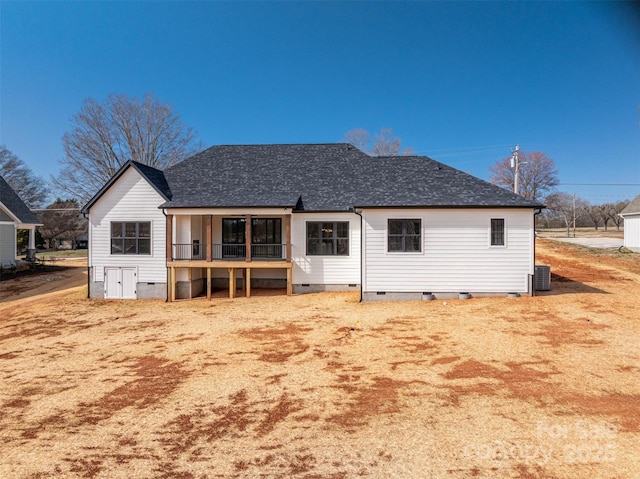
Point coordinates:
[(309, 218), (631, 215), (14, 215)]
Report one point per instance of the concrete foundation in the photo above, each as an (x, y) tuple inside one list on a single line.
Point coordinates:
[(96, 289), (143, 290), (408, 296), (152, 291), (190, 289)]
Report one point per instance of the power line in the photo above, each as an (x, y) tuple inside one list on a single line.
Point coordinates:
[(477, 148), (464, 150), (598, 184)]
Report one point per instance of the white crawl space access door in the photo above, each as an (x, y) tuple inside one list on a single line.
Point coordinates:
[(120, 282)]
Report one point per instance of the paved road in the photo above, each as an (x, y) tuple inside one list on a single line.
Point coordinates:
[(604, 243)]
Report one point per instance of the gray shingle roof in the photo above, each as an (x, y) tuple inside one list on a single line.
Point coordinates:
[(11, 200), (325, 177), (155, 177), (632, 208)]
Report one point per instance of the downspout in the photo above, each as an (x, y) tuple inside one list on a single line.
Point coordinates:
[(537, 211), (165, 259), (86, 217), (355, 210)]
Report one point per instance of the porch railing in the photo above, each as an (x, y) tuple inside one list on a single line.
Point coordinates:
[(269, 251), (189, 252), (229, 252)]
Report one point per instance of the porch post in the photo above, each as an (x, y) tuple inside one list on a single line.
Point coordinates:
[(171, 272), (247, 282), (31, 249), (209, 245), (172, 295), (232, 283), (287, 225), (169, 237), (248, 235), (289, 279), (209, 283), (32, 237)]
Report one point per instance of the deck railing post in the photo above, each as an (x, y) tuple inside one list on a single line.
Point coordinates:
[(248, 237), (287, 224), (209, 244)]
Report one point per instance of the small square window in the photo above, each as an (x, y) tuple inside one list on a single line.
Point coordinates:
[(404, 235)]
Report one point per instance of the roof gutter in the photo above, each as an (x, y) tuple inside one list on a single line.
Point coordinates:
[(433, 207)]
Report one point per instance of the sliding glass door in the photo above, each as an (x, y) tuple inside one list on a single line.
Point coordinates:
[(266, 238)]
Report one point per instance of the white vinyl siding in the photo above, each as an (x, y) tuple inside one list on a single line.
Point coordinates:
[(4, 217), (340, 269), (632, 232), (456, 253), (130, 199), (7, 244)]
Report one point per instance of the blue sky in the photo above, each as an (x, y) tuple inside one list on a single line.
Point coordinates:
[(462, 82)]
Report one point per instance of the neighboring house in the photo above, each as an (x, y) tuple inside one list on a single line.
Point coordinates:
[(309, 218), (631, 215), (82, 242), (14, 215)]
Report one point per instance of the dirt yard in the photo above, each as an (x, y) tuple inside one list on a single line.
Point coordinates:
[(321, 386)]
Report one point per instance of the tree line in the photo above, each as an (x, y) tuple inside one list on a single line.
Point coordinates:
[(566, 211), (538, 178)]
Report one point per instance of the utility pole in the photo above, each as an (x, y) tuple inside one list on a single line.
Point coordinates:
[(514, 164), (574, 215)]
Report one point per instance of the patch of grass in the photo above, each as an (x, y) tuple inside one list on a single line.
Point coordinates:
[(77, 253), (581, 232)]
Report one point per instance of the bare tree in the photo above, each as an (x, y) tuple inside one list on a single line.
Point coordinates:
[(567, 207), (384, 143), (614, 212), (61, 220), (358, 137), (537, 174), (30, 188), (106, 135), (605, 215), (592, 213)]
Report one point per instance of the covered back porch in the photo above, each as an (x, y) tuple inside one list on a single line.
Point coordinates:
[(205, 247)]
